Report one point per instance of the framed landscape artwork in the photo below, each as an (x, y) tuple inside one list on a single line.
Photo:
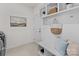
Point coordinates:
[(16, 21)]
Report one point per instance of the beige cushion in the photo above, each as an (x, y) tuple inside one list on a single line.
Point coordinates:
[(73, 48)]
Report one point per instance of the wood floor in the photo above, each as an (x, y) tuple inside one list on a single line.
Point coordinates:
[(24, 50)]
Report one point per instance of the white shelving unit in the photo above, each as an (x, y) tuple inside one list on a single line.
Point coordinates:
[(74, 8), (62, 9), (48, 46)]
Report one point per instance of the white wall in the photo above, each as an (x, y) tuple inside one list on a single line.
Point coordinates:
[(71, 32), (37, 22), (16, 36)]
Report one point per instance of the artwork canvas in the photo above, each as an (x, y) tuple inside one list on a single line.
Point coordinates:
[(16, 21)]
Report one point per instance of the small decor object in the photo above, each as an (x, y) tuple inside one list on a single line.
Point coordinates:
[(69, 5), (16, 21), (43, 11), (56, 28), (56, 31)]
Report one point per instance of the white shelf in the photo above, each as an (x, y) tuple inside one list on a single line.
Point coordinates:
[(67, 10)]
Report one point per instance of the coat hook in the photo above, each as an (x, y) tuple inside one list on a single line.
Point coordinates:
[(55, 21), (71, 16)]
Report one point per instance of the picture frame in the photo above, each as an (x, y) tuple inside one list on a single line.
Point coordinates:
[(17, 21)]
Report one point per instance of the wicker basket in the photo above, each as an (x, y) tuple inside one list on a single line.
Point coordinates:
[(56, 31)]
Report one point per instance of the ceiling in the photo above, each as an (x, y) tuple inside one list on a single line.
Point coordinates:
[(30, 4)]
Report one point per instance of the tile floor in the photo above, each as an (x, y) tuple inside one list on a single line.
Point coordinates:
[(24, 50)]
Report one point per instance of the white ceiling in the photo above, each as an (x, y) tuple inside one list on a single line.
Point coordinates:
[(30, 4)]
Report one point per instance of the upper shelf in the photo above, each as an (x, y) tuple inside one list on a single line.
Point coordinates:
[(64, 11)]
